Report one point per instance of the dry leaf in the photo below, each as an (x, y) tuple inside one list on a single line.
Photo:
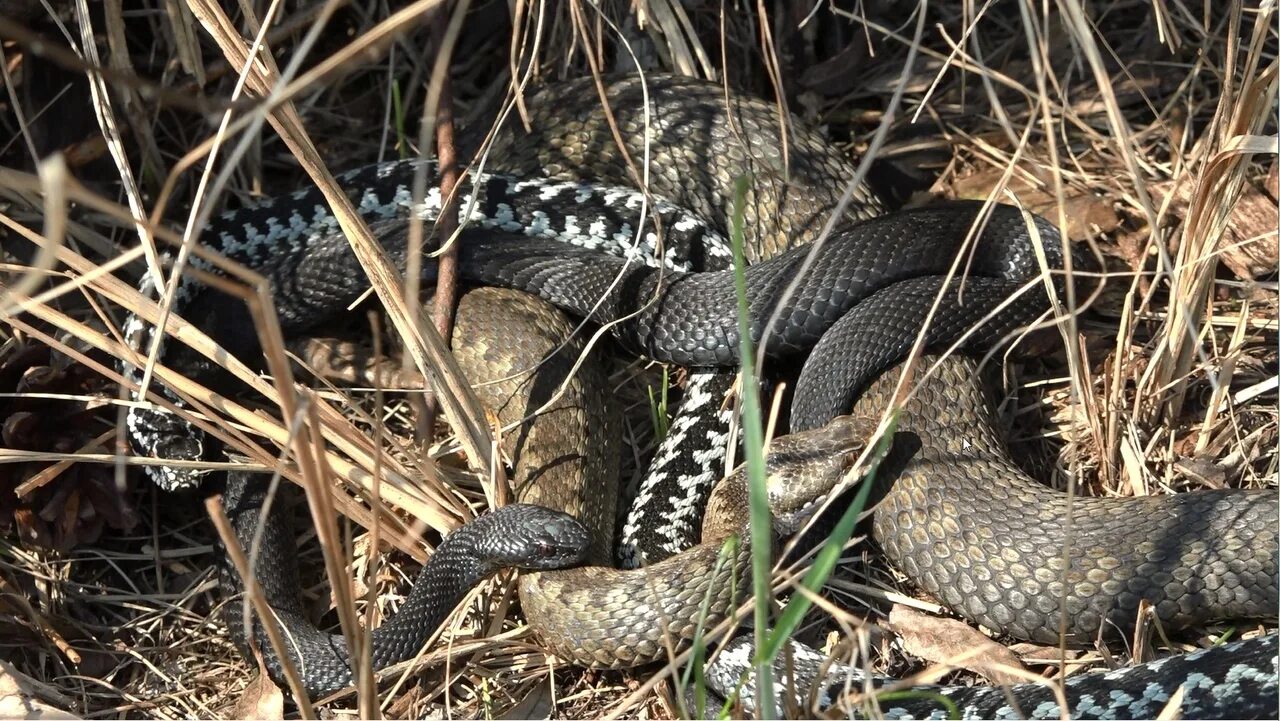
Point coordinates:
[(407, 703), (1087, 215), (1249, 245), (538, 703), (1027, 650), (1251, 248), (949, 641), (1053, 654), (1203, 470), (262, 699), (19, 697)]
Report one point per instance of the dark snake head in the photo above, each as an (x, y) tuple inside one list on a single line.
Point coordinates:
[(533, 538)]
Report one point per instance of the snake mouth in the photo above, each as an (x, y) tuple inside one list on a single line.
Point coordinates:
[(553, 556)]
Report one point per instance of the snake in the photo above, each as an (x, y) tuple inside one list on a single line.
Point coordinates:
[(962, 523), (1233, 680), (507, 335)]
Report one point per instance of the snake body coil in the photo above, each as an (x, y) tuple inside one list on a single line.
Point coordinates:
[(1237, 680), (960, 515), (1012, 554), (508, 335)]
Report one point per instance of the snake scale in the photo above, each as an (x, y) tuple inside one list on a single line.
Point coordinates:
[(960, 517)]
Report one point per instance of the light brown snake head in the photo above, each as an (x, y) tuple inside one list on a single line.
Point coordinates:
[(801, 471)]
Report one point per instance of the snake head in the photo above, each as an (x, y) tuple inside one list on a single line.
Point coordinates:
[(805, 468), (534, 538)]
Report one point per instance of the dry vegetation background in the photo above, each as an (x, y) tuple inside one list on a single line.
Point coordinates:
[(1144, 127)]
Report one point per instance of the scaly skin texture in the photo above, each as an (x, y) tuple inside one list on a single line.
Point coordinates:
[(969, 526), (605, 617), (696, 141), (518, 351), (687, 141), (312, 272), (1237, 680)]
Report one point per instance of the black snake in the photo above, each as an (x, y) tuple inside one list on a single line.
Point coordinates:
[(889, 266)]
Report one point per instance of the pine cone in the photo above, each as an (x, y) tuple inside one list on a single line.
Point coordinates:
[(49, 405)]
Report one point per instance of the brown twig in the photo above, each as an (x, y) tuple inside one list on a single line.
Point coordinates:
[(446, 295)]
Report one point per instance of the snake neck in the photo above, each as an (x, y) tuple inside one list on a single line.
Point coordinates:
[(441, 584), (323, 659)]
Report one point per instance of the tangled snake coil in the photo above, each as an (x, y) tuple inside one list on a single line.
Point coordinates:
[(959, 516)]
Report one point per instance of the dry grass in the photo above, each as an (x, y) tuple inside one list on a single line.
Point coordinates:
[(1144, 127)]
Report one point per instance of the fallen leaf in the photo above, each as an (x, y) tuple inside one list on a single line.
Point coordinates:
[(538, 704), (31, 529), (1039, 652), (19, 697), (1249, 243), (1202, 470), (1251, 235), (1087, 215), (953, 642), (1052, 654), (407, 703), (262, 699)]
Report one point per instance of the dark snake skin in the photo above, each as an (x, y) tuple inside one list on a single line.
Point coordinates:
[(687, 141), (689, 146), (514, 536), (682, 317)]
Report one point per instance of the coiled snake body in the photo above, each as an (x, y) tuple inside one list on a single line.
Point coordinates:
[(960, 518)]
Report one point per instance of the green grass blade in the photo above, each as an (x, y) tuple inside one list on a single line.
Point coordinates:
[(825, 561), (693, 672), (658, 408), (398, 113), (753, 433)]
